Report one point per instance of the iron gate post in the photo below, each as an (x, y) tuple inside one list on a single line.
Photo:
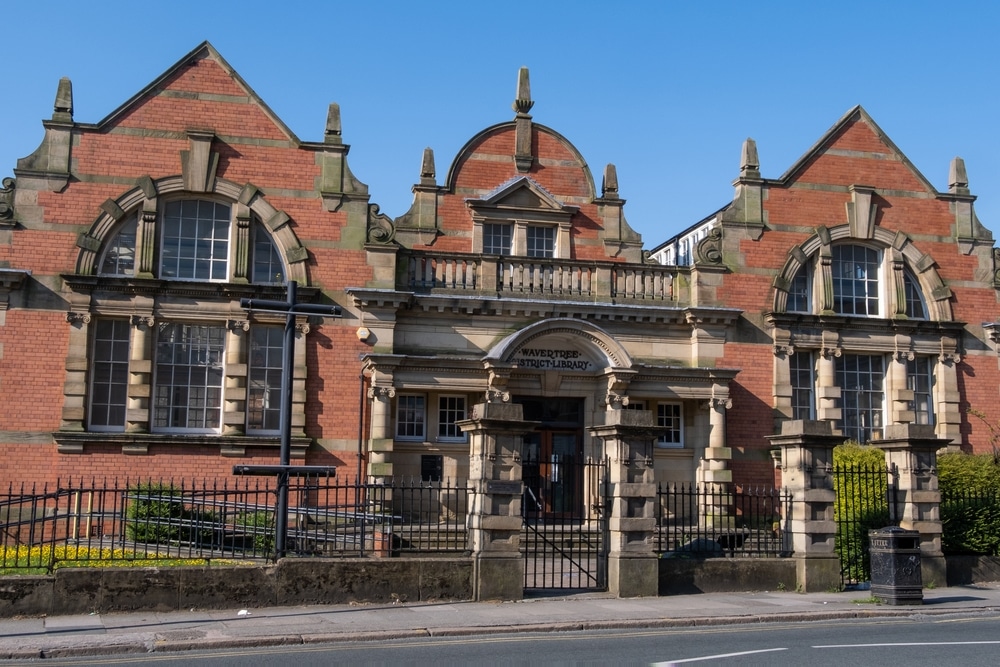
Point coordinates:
[(628, 435)]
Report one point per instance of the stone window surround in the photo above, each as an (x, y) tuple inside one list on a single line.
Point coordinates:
[(828, 338), (899, 255), (144, 300)]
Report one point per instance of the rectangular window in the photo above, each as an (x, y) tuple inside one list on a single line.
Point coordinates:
[(188, 377), (801, 374), (109, 379), (541, 241), (668, 415), (862, 395), (450, 410), (264, 382), (920, 380), (195, 241), (496, 238), (410, 417)]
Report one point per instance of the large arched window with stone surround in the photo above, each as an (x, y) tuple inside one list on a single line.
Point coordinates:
[(863, 335), (156, 308)]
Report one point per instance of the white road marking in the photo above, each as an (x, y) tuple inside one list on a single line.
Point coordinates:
[(716, 657), (906, 644)]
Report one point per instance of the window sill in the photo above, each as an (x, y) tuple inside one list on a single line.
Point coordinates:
[(141, 443)]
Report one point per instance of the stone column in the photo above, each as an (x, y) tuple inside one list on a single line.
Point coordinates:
[(715, 472), (913, 448), (381, 441), (628, 437), (496, 435), (810, 529)]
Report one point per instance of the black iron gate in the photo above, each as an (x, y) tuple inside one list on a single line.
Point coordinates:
[(565, 537), (866, 500)]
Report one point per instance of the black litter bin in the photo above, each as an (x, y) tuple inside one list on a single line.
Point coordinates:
[(895, 565)]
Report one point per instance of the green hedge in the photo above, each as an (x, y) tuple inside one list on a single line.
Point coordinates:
[(970, 504)]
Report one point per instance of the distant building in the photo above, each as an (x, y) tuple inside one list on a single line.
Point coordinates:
[(847, 290)]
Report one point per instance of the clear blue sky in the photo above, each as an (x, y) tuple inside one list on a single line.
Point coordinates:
[(666, 90)]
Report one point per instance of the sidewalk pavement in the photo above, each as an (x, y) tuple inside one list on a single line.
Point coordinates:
[(145, 632)]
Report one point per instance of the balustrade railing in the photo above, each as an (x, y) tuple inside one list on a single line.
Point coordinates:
[(539, 277)]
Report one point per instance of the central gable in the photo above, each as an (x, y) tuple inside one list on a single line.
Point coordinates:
[(855, 151)]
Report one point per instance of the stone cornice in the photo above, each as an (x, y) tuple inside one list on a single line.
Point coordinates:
[(544, 308), (138, 443), (178, 288), (800, 321)]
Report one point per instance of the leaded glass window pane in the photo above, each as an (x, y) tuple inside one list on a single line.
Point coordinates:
[(541, 241), (189, 377), (862, 394), (267, 265), (855, 271), (119, 257), (497, 238), (109, 380), (264, 391), (450, 410), (920, 380), (195, 241), (800, 369), (410, 417), (668, 415)]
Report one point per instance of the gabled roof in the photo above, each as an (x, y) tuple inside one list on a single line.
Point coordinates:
[(829, 137), (203, 50)]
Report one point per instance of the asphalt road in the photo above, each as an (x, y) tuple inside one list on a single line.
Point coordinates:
[(968, 640)]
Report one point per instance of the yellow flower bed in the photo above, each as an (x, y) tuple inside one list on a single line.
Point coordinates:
[(24, 559)]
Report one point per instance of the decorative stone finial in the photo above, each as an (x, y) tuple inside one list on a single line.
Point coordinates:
[(749, 162), (609, 185), (427, 171), (63, 109), (958, 178), (523, 102), (333, 130)]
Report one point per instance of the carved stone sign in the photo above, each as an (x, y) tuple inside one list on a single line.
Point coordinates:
[(551, 359)]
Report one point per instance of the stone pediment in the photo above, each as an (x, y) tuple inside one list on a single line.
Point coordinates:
[(521, 198)]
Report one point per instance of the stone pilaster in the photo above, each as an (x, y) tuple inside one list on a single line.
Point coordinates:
[(628, 437), (496, 435), (913, 449), (810, 529), (140, 367)]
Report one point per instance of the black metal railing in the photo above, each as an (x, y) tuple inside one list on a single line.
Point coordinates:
[(866, 500), (47, 526), (712, 520), (970, 521)]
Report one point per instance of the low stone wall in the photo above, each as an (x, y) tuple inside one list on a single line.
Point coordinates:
[(290, 582), (965, 570), (685, 576)]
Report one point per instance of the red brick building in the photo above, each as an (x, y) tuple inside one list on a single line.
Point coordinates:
[(847, 290)]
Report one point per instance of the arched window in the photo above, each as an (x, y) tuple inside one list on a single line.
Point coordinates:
[(195, 238)]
